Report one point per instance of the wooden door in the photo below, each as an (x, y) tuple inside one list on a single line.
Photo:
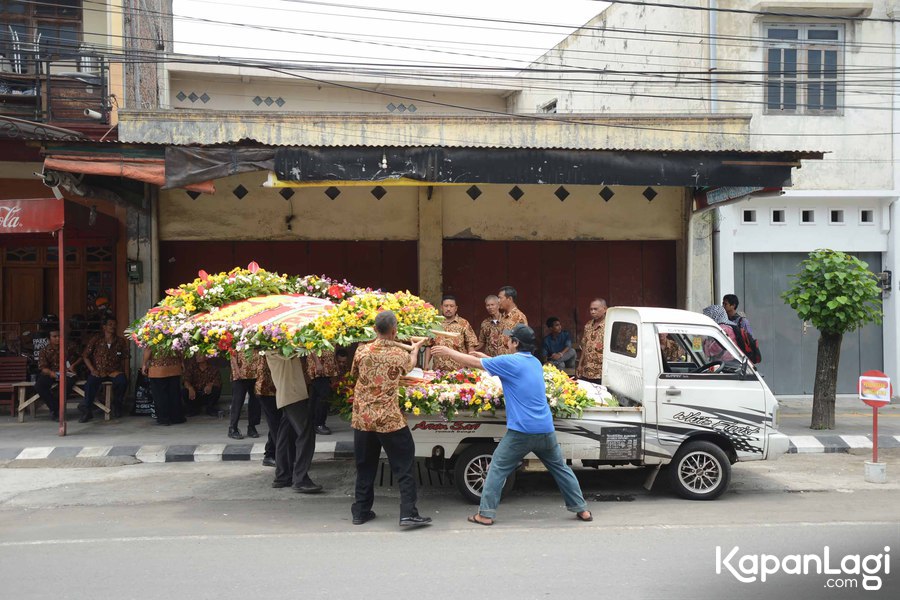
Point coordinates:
[(23, 294)]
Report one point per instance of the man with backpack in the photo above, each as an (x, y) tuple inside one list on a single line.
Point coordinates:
[(742, 331)]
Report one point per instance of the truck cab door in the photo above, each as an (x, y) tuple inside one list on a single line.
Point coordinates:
[(706, 386)]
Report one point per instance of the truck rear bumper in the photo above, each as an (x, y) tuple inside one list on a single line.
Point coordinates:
[(778, 444)]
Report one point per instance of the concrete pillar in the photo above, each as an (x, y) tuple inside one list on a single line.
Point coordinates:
[(700, 292), (431, 244)]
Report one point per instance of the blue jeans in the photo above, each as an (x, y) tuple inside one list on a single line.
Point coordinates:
[(514, 446)]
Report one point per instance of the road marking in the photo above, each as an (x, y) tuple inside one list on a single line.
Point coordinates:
[(151, 454), (93, 451), (325, 447), (807, 444), (857, 441), (452, 531), (35, 453), (209, 453), (259, 449)]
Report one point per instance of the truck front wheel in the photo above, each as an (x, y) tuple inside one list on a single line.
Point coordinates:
[(470, 472), (700, 471)]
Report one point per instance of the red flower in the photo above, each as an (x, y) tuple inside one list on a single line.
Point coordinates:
[(201, 291), (225, 341), (336, 291), (253, 267), (203, 275)]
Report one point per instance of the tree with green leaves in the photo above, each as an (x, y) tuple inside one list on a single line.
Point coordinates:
[(837, 293)]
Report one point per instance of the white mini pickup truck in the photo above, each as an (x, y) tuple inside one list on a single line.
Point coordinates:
[(699, 407)]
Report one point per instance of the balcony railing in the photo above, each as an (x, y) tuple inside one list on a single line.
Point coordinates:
[(64, 92)]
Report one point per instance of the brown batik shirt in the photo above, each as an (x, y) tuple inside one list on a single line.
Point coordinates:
[(464, 342), (591, 364), (264, 385), (242, 367), (490, 336), (378, 367), (199, 378), (671, 351), (48, 358), (508, 321), (328, 364), (107, 358)]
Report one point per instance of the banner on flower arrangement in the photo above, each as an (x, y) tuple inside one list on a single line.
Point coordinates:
[(292, 310)]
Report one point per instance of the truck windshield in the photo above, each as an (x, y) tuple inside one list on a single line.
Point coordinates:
[(687, 351)]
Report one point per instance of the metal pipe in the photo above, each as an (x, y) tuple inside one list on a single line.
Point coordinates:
[(713, 54)]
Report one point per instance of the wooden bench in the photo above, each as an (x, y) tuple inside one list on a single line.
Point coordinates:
[(25, 401), (13, 369)]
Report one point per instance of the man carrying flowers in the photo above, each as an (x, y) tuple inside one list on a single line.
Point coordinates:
[(529, 423), (378, 422)]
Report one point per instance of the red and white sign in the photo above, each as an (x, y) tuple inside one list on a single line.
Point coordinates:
[(875, 388), (38, 215)]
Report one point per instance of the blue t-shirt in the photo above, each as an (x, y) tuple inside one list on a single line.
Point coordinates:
[(552, 346), (524, 391)]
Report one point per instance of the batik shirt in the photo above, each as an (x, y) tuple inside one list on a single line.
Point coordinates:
[(591, 364), (465, 342), (199, 378), (378, 367), (264, 385), (49, 357), (328, 362), (107, 358), (491, 337), (242, 367), (510, 320)]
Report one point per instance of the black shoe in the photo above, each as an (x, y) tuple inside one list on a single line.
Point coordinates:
[(281, 484), (116, 412), (364, 518), (86, 416), (179, 421), (322, 430), (268, 461), (54, 417), (212, 412), (235, 433), (308, 488), (251, 431), (415, 521)]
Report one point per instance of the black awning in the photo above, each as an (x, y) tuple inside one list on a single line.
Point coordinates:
[(536, 166)]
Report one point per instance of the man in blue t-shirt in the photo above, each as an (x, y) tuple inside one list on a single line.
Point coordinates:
[(529, 423)]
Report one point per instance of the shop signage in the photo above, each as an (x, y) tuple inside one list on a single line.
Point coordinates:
[(39, 215)]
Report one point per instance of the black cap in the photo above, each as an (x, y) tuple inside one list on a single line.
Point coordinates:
[(523, 333)]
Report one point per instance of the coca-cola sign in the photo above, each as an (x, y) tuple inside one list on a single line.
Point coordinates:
[(9, 217), (38, 215)]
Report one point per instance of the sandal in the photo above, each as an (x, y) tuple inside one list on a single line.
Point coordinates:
[(474, 519), (586, 519)]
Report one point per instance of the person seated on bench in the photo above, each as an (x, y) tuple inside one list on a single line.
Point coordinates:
[(557, 348), (48, 363), (106, 357)]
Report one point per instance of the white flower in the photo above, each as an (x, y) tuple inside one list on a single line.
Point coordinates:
[(194, 349)]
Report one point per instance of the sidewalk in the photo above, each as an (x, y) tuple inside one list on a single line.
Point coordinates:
[(204, 438)]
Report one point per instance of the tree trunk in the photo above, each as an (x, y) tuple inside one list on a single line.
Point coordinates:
[(825, 389)]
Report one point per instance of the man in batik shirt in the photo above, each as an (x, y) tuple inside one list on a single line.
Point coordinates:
[(106, 357), (510, 315), (590, 367), (464, 340), (49, 376), (378, 422), (243, 382), (490, 336), (322, 369), (202, 386)]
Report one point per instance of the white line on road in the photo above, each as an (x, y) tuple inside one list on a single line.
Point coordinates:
[(151, 454), (35, 453), (259, 449), (209, 452), (93, 451), (454, 531), (857, 441), (807, 444)]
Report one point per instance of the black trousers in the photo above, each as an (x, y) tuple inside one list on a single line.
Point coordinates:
[(239, 390), (167, 399), (44, 387), (295, 444), (320, 396), (273, 416), (92, 386), (202, 402), (401, 452)]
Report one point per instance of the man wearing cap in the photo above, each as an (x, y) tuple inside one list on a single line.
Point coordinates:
[(529, 423)]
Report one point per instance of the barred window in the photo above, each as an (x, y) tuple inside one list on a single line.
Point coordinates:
[(803, 68)]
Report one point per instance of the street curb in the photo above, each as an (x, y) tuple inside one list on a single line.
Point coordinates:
[(330, 450)]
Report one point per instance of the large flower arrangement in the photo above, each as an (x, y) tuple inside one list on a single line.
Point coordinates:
[(474, 392), (173, 326)]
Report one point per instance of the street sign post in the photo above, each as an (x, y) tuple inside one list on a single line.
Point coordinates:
[(875, 390)]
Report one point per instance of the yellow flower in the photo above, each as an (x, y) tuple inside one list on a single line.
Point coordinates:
[(487, 406), (416, 410), (408, 405)]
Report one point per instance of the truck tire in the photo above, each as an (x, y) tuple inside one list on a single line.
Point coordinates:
[(470, 472), (700, 471)]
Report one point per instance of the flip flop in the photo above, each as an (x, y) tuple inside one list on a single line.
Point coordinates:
[(586, 519), (473, 519)]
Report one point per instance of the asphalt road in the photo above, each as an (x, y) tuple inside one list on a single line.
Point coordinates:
[(218, 531)]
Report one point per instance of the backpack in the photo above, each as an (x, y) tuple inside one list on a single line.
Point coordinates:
[(747, 342)]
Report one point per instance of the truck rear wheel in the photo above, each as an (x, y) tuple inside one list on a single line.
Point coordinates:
[(700, 471), (470, 472)]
